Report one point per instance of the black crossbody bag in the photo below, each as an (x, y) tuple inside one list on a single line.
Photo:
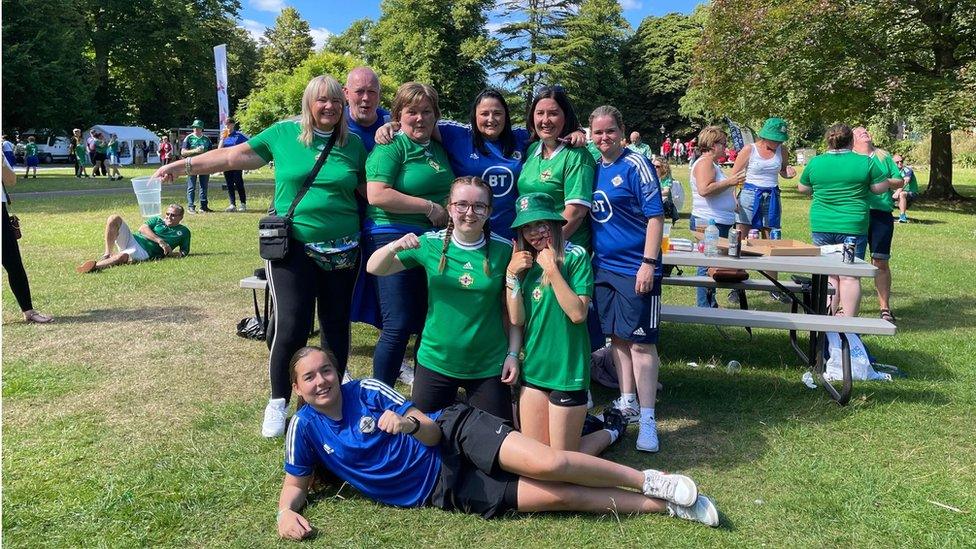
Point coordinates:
[(274, 231)]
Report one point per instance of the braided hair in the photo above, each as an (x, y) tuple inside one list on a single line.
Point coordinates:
[(449, 230)]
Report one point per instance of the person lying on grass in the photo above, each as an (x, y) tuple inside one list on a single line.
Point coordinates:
[(157, 238), (458, 459)]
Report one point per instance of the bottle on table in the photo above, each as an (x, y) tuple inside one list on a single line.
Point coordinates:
[(711, 238)]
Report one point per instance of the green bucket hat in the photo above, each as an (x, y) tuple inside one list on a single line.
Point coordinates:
[(533, 207), (774, 130), (197, 124)]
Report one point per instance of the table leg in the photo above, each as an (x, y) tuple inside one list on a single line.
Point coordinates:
[(818, 347)]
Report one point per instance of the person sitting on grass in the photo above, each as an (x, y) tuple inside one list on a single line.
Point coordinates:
[(459, 458), (157, 238), (909, 192)]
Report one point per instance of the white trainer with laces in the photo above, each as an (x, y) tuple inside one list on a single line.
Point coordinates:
[(647, 436), (677, 489), (406, 374), (275, 414), (231, 208), (630, 410), (703, 511)]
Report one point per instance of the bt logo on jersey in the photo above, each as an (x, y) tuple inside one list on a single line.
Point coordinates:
[(601, 209), (500, 179)]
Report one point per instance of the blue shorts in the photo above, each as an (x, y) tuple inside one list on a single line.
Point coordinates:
[(33, 161), (747, 199), (881, 229), (623, 313), (825, 239)]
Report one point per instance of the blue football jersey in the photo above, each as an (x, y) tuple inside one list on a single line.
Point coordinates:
[(368, 133), (499, 172), (392, 469), (626, 194)]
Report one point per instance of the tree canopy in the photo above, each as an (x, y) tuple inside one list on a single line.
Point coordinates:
[(287, 43)]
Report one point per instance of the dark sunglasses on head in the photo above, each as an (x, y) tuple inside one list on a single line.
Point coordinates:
[(545, 90)]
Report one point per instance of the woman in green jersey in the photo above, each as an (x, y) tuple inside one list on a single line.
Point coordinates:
[(465, 342), (319, 270), (550, 283)]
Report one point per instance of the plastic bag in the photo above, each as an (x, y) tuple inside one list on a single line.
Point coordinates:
[(861, 369)]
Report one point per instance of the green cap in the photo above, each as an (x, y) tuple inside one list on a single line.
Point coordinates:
[(197, 124), (533, 207), (774, 130)]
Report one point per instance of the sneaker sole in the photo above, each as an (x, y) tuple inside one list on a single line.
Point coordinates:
[(711, 515)]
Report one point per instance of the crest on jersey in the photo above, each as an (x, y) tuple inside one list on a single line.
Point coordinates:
[(367, 424), (617, 180), (466, 279), (517, 155), (537, 293), (433, 164), (546, 174)]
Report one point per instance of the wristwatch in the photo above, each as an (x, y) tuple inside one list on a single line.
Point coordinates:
[(416, 425), (649, 260)]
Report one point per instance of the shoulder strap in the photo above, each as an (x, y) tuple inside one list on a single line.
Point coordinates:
[(315, 171)]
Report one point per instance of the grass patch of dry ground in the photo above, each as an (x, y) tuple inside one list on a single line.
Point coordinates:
[(134, 418)]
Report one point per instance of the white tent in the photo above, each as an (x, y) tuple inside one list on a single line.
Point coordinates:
[(132, 139)]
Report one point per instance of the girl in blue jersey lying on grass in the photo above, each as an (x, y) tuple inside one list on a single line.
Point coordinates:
[(458, 458)]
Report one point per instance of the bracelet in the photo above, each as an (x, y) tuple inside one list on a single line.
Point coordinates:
[(416, 425), (430, 207), (512, 354), (187, 164), (278, 516)]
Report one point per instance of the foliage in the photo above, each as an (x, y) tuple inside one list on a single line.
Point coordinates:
[(287, 43), (280, 94), (530, 33), (444, 44), (357, 40)]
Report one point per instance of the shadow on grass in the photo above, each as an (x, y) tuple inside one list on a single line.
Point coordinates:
[(967, 206), (938, 313), (141, 314), (917, 221)]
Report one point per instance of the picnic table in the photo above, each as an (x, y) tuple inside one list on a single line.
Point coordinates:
[(808, 305)]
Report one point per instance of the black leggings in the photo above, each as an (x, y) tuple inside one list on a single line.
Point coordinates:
[(435, 391), (235, 180), (297, 284), (14, 265)]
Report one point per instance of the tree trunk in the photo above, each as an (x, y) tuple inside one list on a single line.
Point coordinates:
[(940, 158)]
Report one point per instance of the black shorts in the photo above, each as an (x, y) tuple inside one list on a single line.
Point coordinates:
[(881, 229), (565, 399), (471, 480), (910, 197), (623, 312)]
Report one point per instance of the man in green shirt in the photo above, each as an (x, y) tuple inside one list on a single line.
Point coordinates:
[(907, 194), (157, 238), (639, 146), (194, 144)]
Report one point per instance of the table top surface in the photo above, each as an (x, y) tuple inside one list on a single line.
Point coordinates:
[(830, 264)]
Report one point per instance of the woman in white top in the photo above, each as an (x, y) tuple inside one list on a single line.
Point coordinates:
[(713, 194), (763, 162)]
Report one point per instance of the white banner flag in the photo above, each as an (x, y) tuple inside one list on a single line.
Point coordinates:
[(220, 64)]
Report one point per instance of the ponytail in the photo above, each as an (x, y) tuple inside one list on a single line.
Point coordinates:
[(448, 231)]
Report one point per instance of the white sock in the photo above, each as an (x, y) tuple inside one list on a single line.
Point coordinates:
[(628, 398), (613, 435), (647, 414)]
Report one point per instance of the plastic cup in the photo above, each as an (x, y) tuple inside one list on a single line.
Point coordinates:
[(149, 195), (666, 239), (146, 183)]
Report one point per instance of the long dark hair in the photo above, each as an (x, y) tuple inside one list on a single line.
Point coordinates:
[(558, 94), (507, 137)]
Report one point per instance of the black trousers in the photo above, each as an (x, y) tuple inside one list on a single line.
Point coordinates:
[(434, 391), (297, 286), (13, 263), (235, 180)]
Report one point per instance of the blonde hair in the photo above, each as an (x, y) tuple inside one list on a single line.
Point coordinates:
[(333, 90), (474, 181), (411, 93), (664, 170), (708, 137)]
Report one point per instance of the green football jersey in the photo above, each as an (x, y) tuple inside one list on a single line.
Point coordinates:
[(464, 333), (557, 351), (841, 182), (423, 171), (884, 201), (566, 176), (328, 210), (177, 236)]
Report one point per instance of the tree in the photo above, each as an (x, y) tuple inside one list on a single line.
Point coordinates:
[(280, 94), (531, 28), (357, 40), (287, 43), (816, 61), (443, 44), (592, 46)]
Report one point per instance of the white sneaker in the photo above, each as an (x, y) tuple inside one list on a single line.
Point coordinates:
[(242, 207), (647, 437), (275, 414), (231, 208), (630, 410), (702, 511), (406, 374), (677, 489)]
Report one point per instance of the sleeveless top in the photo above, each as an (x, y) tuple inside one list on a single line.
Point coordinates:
[(720, 207), (764, 172)]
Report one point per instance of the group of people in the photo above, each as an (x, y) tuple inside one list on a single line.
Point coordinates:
[(95, 150), (501, 249), (195, 144)]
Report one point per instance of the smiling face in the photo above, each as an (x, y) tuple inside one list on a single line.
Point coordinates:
[(490, 118), (469, 208), (538, 234), (317, 381), (417, 120), (548, 119), (326, 110), (606, 136), (173, 216)]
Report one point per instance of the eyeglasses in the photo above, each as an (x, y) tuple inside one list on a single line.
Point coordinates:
[(480, 208)]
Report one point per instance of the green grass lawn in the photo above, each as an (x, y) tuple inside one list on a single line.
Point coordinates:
[(134, 419)]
